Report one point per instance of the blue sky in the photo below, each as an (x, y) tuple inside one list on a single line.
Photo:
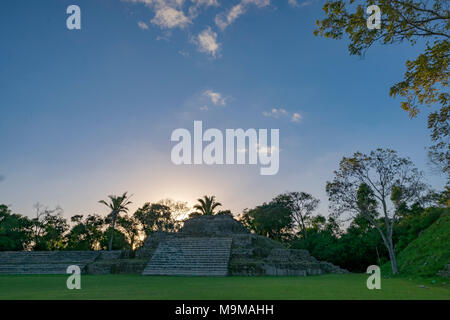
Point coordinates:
[(87, 113)]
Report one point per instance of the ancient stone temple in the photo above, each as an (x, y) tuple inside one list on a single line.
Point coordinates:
[(219, 246), (206, 246)]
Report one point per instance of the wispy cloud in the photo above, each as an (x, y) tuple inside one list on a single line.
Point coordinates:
[(183, 53), (224, 19), (142, 25), (278, 113), (275, 113), (297, 4), (215, 97), (171, 14)]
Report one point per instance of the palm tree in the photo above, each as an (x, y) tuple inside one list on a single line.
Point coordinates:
[(117, 204), (207, 205)]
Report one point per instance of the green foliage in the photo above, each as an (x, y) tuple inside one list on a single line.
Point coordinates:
[(272, 220), (117, 205), (355, 249), (16, 231), (360, 245), (49, 229), (129, 225), (155, 217), (415, 221), (85, 234), (426, 78), (430, 251), (207, 205), (373, 185), (119, 241), (301, 206)]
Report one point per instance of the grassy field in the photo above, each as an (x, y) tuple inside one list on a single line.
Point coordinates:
[(351, 286)]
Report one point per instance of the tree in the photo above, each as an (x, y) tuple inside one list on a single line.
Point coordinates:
[(117, 204), (301, 205), (49, 227), (16, 231), (85, 234), (271, 220), (426, 78), (120, 240), (155, 217), (129, 226), (52, 237), (179, 209), (373, 185), (207, 205)]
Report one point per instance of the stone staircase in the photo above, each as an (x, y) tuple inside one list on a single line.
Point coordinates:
[(44, 262), (190, 256)]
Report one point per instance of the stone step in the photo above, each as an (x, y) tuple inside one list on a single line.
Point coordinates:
[(191, 256), (36, 269), (39, 257), (45, 262)]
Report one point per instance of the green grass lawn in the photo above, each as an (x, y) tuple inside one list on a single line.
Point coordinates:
[(351, 286)]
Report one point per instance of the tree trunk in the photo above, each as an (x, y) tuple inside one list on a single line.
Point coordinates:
[(387, 240), (112, 235), (392, 256)]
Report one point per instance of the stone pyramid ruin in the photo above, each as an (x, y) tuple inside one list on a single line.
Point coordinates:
[(219, 246)]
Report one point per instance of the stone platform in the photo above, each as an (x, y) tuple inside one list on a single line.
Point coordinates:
[(50, 262)]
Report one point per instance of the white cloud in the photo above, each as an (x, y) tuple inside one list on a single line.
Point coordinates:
[(224, 19), (207, 42), (263, 150), (206, 3), (267, 150), (296, 4), (195, 9), (142, 25), (170, 14), (159, 3), (275, 113), (170, 18), (296, 117), (183, 53), (215, 97), (278, 113)]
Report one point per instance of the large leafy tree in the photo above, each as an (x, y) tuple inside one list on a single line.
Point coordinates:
[(16, 231), (301, 205), (129, 225), (54, 228), (86, 233), (272, 220), (155, 217), (120, 240), (207, 205), (425, 82), (49, 228), (117, 205), (373, 186)]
